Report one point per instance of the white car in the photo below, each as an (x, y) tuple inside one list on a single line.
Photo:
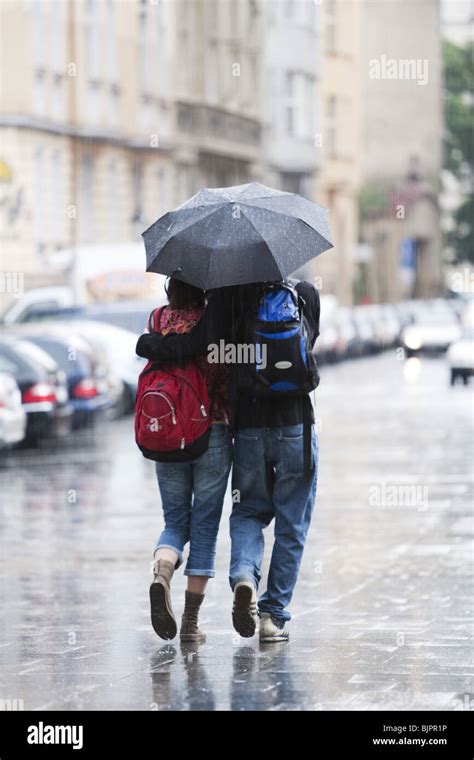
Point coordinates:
[(117, 346), (430, 333), (12, 413), (460, 357)]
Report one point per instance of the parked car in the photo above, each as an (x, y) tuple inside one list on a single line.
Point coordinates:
[(326, 347), (460, 357), (389, 325), (86, 381), (348, 343), (25, 308), (431, 332), (365, 330), (12, 414), (129, 315), (43, 388), (117, 346)]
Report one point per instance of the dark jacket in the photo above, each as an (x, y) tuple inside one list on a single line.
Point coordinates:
[(220, 320)]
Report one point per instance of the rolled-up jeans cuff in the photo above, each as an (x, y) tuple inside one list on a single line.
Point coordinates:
[(204, 573), (173, 548)]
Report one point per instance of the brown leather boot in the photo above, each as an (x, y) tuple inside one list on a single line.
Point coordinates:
[(162, 618), (189, 622)]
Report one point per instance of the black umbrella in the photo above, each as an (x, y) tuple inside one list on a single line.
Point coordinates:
[(234, 235)]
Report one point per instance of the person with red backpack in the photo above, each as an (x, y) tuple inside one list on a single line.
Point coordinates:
[(182, 423), (275, 455)]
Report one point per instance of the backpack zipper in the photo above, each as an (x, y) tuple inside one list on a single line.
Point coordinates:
[(163, 396)]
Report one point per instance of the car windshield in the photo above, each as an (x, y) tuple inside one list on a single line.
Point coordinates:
[(33, 353), (71, 362), (134, 321)]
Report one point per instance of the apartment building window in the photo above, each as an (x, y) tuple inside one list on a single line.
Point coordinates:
[(58, 205), (164, 201), (234, 18), (92, 32), (253, 80), (185, 62), (39, 57), (58, 36), (38, 25), (143, 50), (184, 182), (39, 201), (112, 70), (113, 220), (299, 106), (111, 42), (310, 14), (290, 103), (294, 182), (297, 11), (58, 58), (86, 198), (310, 101), (331, 125), (212, 74), (137, 191), (92, 39), (57, 97), (331, 26), (233, 78), (161, 47)]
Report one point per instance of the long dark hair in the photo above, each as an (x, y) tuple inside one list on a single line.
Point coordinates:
[(181, 295)]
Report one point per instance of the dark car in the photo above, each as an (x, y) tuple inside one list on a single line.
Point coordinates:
[(43, 388), (87, 389)]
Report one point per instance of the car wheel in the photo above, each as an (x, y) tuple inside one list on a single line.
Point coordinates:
[(454, 376)]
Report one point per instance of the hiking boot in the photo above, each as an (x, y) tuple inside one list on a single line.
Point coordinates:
[(189, 622), (271, 629), (244, 610), (162, 618)]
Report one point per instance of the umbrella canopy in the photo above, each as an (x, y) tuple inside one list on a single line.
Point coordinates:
[(236, 235)]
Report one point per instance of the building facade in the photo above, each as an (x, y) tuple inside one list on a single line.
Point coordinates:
[(85, 131), (291, 95), (112, 112), (402, 127), (339, 141), (218, 65)]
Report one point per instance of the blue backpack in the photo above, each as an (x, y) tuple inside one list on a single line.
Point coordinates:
[(284, 362)]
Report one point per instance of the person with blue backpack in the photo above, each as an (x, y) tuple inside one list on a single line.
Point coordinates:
[(275, 458)]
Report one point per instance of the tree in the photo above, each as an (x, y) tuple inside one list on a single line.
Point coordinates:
[(459, 140)]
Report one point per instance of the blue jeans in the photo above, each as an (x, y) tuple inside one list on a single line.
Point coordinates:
[(192, 494), (268, 476)]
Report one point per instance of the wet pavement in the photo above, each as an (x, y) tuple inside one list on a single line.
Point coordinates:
[(382, 615)]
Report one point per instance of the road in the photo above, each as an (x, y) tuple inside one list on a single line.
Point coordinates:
[(382, 613)]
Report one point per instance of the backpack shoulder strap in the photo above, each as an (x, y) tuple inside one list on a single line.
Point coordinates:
[(155, 319)]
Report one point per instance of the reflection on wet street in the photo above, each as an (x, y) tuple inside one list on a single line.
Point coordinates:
[(382, 610)]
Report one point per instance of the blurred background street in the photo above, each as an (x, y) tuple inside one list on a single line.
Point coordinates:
[(112, 112), (382, 613)]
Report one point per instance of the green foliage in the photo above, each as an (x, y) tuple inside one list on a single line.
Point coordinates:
[(459, 137), (462, 237), (373, 200), (459, 105)]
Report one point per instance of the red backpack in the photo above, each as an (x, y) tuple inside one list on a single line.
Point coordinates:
[(172, 421)]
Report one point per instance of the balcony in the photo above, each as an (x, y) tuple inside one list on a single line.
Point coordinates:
[(217, 124)]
